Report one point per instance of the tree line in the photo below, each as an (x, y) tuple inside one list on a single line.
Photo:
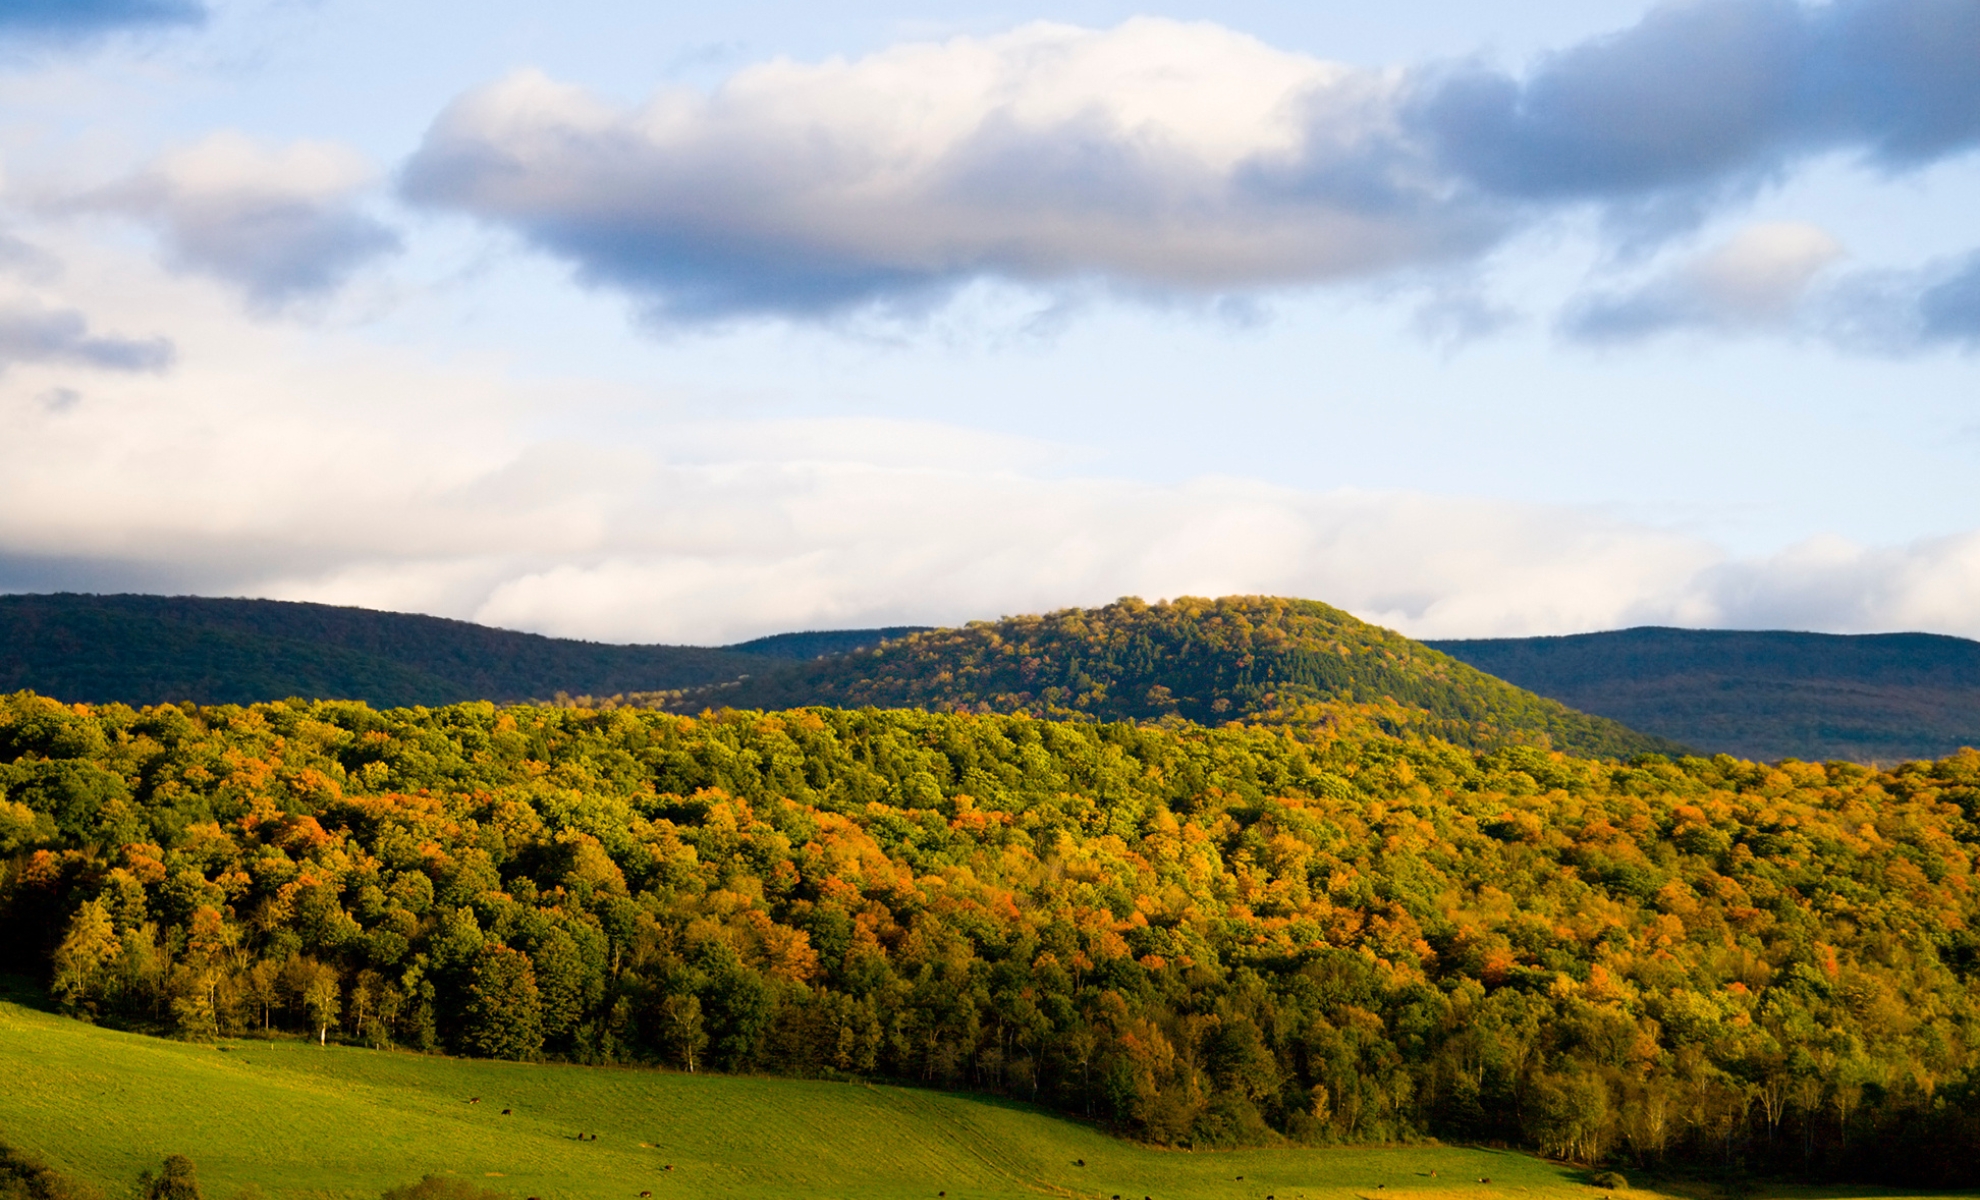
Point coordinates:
[(1205, 937)]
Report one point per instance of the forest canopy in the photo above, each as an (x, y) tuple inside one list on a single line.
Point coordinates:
[(1204, 936)]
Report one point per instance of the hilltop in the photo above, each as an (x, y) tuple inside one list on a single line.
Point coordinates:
[(141, 650), (1764, 695), (1208, 661)]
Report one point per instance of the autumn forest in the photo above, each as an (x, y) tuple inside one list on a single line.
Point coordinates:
[(1324, 930)]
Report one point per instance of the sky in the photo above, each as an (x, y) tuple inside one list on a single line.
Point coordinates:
[(678, 323)]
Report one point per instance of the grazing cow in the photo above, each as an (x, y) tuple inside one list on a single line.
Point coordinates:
[(507, 1111), (669, 1166), (1079, 1162), (1484, 1179), (646, 1193), (474, 1099)]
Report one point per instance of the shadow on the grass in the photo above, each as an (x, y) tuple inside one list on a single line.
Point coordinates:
[(26, 992)]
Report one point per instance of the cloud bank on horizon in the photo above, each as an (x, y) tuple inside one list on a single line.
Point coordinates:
[(738, 528), (1178, 156)]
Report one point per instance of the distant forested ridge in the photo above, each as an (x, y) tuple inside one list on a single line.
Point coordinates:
[(150, 649), (1209, 661), (1203, 936), (1770, 695)]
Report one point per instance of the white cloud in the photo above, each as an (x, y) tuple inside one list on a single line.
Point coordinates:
[(1832, 584), (1158, 153), (1761, 272), (1756, 279), (279, 222)]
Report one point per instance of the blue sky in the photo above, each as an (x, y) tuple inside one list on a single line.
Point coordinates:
[(628, 323)]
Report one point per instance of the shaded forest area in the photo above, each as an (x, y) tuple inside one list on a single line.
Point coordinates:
[(1882, 697), (156, 649), (1205, 937)]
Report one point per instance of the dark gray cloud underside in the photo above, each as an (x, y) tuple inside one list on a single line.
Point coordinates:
[(61, 336), (281, 251), (1949, 311), (1703, 95), (64, 19), (1715, 94), (1627, 317), (698, 277)]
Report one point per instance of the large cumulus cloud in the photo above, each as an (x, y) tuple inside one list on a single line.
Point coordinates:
[(1179, 156), (1157, 153)]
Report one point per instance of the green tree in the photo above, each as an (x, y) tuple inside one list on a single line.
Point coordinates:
[(1568, 1114), (560, 978), (504, 1013), (680, 1017), (176, 1181), (322, 998), (89, 947)]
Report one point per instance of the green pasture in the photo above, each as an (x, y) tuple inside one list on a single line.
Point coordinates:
[(297, 1120)]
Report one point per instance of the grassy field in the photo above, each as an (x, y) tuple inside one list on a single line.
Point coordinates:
[(296, 1121)]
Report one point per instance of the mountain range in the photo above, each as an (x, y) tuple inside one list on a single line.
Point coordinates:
[(1763, 695), (147, 649), (1759, 695)]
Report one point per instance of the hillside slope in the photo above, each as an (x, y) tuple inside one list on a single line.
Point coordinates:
[(1209, 937), (1209, 661), (1759, 695), (298, 1121), (150, 649)]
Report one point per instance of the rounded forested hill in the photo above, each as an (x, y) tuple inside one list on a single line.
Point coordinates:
[(1210, 661)]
